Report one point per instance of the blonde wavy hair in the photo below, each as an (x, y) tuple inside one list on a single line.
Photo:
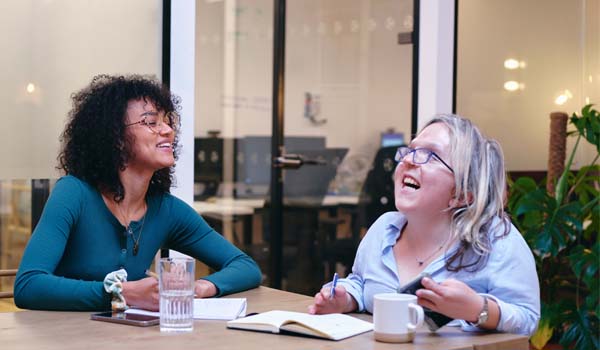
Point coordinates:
[(480, 187)]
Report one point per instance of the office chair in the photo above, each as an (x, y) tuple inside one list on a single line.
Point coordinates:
[(376, 197), (377, 193)]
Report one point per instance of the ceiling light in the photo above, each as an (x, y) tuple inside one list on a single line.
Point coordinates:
[(511, 63), (563, 97), (512, 85)]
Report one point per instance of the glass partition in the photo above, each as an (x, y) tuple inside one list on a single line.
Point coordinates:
[(347, 102)]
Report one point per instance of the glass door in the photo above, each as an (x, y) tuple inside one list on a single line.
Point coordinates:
[(348, 93), (299, 105), (232, 146)]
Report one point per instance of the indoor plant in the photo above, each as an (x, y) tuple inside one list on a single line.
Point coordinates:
[(562, 231)]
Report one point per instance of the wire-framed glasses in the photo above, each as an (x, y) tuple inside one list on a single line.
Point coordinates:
[(155, 122), (419, 156)]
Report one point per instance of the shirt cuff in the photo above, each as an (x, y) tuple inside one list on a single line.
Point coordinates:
[(470, 327), (356, 294)]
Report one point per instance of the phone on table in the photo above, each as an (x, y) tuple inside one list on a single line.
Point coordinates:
[(434, 320), (127, 318)]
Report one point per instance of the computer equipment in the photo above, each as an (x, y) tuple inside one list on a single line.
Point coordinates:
[(308, 185), (208, 166), (391, 138), (253, 161)]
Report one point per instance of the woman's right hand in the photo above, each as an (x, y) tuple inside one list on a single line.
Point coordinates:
[(342, 302), (142, 294)]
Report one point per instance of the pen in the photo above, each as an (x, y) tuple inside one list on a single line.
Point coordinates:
[(335, 278), (151, 274)]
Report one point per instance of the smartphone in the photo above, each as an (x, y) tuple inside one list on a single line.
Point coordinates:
[(434, 320), (126, 318)]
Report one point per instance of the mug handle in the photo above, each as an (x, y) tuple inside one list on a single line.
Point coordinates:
[(418, 311)]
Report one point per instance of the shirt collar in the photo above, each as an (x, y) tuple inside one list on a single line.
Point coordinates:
[(393, 229)]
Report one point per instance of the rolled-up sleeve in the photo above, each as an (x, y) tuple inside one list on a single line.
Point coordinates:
[(514, 285)]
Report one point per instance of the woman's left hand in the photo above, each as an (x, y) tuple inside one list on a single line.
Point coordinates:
[(205, 289), (452, 298)]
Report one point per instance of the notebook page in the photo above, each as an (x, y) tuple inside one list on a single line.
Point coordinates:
[(210, 309), (336, 326), (219, 308)]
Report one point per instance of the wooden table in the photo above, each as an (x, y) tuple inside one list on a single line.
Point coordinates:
[(74, 330)]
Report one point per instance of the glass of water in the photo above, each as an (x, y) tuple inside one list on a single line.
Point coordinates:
[(176, 284)]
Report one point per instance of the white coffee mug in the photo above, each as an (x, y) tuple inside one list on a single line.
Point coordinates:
[(396, 317)]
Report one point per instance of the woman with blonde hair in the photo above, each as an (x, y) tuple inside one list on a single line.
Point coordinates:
[(449, 191)]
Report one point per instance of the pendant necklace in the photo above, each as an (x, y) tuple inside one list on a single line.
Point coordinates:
[(422, 261), (136, 242)]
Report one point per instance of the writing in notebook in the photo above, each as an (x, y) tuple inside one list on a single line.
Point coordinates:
[(331, 326), (210, 309)]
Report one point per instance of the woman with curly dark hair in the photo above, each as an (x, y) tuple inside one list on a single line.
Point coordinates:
[(113, 211)]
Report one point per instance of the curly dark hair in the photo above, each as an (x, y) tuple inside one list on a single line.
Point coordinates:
[(94, 143)]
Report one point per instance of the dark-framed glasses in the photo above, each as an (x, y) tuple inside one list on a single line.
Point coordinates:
[(155, 122), (419, 156)]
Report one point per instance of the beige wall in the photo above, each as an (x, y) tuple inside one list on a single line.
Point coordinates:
[(59, 46), (559, 42)]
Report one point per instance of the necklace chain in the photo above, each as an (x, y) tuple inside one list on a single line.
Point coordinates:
[(136, 242), (422, 261)]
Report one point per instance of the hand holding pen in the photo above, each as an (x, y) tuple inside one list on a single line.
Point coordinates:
[(333, 285), (333, 299)]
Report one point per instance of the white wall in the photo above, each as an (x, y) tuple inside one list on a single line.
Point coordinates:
[(344, 51), (183, 85)]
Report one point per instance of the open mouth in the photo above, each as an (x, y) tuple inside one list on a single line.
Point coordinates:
[(410, 182), (164, 145)]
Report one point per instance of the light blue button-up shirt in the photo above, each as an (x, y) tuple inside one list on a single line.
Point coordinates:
[(508, 276)]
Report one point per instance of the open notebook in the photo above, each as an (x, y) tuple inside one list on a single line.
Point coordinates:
[(210, 309), (331, 326)]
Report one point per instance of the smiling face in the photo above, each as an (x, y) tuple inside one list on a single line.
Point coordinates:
[(426, 189), (150, 149)]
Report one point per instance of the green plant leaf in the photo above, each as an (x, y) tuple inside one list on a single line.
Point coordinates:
[(588, 125), (563, 232), (543, 334), (580, 332)]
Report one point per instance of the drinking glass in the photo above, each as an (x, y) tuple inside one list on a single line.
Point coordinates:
[(176, 284)]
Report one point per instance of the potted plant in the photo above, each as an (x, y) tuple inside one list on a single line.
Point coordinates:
[(562, 230)]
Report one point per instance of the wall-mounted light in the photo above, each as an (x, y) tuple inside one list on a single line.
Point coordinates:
[(563, 97), (511, 63), (587, 100), (30, 88), (512, 85)]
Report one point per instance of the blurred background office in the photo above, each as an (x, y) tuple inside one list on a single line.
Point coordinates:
[(358, 78)]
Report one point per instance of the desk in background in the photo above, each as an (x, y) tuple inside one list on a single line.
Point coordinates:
[(318, 234), (74, 330), (244, 209)]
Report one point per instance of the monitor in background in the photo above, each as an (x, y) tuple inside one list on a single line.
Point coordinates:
[(253, 161), (296, 143), (208, 166), (308, 185), (391, 138)]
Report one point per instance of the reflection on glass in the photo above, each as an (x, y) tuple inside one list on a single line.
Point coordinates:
[(348, 81)]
